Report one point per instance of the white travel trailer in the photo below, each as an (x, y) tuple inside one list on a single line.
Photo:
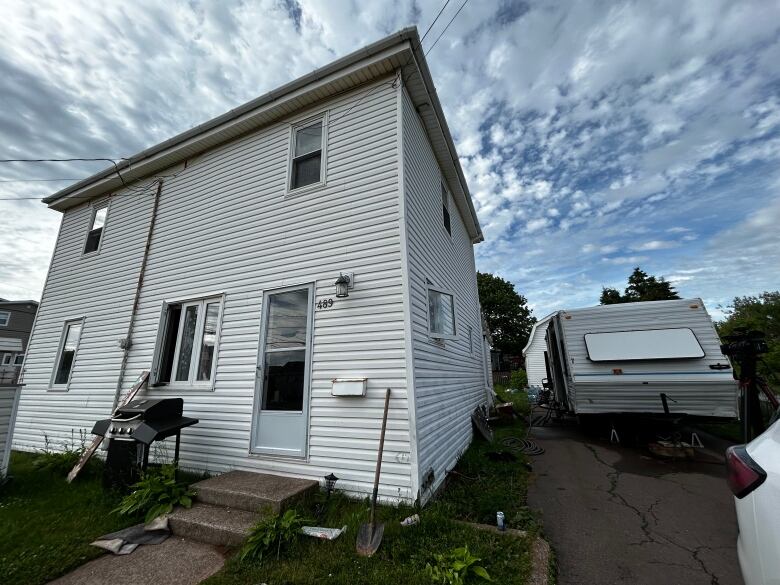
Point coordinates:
[(622, 358), (278, 268)]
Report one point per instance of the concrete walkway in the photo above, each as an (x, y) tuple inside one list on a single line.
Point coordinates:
[(616, 516), (174, 562)]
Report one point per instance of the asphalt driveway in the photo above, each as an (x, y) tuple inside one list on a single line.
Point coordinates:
[(615, 515)]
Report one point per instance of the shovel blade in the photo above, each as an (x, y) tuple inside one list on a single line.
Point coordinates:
[(369, 538)]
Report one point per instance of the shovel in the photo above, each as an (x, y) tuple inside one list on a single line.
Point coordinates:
[(370, 535)]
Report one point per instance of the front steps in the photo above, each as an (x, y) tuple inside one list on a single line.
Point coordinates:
[(228, 505)]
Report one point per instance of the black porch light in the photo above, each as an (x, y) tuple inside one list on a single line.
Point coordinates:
[(342, 286), (330, 483)]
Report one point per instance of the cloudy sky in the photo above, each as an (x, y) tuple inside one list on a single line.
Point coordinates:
[(595, 136)]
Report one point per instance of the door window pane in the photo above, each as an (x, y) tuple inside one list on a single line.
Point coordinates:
[(68, 353), (208, 342), (187, 340), (284, 380), (287, 316)]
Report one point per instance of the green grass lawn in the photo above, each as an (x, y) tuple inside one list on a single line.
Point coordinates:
[(46, 524), (478, 489)]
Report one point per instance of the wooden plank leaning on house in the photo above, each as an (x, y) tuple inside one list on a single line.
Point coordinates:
[(87, 455)]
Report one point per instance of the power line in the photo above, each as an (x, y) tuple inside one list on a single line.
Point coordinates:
[(446, 27), (26, 160), (36, 180)]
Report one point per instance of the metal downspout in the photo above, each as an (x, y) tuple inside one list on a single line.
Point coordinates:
[(128, 340)]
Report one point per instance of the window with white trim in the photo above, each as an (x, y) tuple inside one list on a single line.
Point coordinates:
[(445, 203), (7, 358), (441, 314), (19, 359), (66, 356), (308, 146), (5, 318), (187, 348), (95, 234)]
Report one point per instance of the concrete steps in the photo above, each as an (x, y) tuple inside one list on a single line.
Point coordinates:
[(228, 505), (213, 524)]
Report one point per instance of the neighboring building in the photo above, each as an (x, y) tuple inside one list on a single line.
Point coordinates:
[(221, 280), (534, 353), (16, 321)]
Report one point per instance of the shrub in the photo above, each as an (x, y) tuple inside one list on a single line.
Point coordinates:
[(518, 379), (60, 462), (271, 532), (156, 494), (455, 567)]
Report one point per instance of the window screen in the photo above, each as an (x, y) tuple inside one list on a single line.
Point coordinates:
[(307, 155), (445, 203), (441, 314), (67, 353), (96, 231), (651, 344)]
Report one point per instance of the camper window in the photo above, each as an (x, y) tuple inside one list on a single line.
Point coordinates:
[(441, 314), (187, 344), (651, 344)]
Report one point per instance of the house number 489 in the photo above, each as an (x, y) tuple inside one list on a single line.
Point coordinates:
[(325, 303)]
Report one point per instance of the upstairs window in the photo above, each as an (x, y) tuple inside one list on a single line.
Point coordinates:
[(96, 231), (307, 148), (5, 318), (441, 314), (7, 357), (66, 355), (188, 343), (19, 359), (445, 203)]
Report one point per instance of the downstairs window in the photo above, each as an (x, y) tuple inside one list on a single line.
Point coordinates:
[(187, 344)]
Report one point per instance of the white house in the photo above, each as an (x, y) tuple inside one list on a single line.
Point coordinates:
[(533, 352), (211, 260)]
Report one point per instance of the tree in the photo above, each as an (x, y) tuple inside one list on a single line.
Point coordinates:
[(506, 312), (760, 313), (641, 287)]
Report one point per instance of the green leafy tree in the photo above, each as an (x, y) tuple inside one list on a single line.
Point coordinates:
[(761, 313), (641, 287), (506, 311)]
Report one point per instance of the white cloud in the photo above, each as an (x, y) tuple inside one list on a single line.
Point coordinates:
[(585, 129)]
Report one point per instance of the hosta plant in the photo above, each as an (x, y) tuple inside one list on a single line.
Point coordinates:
[(156, 494), (456, 568), (272, 533)]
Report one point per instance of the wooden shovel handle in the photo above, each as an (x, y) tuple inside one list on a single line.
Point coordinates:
[(379, 457)]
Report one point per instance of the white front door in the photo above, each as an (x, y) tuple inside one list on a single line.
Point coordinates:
[(283, 371)]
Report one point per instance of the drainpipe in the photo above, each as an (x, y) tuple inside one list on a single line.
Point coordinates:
[(127, 342)]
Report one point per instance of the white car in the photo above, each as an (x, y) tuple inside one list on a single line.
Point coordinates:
[(754, 478)]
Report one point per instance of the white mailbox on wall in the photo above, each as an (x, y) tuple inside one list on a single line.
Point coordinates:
[(348, 387)]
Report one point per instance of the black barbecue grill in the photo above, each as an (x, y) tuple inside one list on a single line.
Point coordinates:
[(131, 431)]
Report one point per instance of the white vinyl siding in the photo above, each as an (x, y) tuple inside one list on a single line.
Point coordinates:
[(449, 379), (225, 226)]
